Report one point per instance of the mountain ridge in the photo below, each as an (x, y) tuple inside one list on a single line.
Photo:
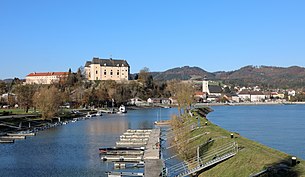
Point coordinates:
[(267, 76)]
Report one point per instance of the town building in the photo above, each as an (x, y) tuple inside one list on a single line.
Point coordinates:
[(244, 95), (232, 97), (107, 69), (200, 96), (257, 96), (45, 77), (158, 101)]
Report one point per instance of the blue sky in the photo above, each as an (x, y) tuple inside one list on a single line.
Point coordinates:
[(55, 35)]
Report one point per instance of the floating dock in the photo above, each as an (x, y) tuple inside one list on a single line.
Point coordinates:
[(135, 136), (127, 158), (12, 137), (21, 134), (6, 141), (136, 149)]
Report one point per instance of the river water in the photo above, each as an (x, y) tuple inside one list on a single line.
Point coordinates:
[(72, 149), (278, 126)]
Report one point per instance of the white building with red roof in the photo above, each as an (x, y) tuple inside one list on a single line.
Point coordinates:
[(45, 77)]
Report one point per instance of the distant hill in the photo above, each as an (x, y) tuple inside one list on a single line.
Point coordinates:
[(7, 80), (183, 73), (266, 76)]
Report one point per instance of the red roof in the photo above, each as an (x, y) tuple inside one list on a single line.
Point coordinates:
[(48, 74), (199, 93)]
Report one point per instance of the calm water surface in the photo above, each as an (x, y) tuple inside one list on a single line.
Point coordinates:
[(278, 126), (72, 149)]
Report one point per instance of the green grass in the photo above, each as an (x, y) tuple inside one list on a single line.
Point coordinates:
[(16, 111), (251, 158)]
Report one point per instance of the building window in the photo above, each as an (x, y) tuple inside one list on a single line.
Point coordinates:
[(118, 73), (111, 72), (95, 72), (105, 73)]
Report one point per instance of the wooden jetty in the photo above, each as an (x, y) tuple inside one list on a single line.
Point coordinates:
[(135, 136), (119, 174), (134, 139), (130, 143), (137, 133)]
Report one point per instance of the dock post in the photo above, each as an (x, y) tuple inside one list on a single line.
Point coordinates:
[(293, 161)]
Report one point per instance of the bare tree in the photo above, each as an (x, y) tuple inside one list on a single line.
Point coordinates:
[(48, 100), (25, 95), (183, 92)]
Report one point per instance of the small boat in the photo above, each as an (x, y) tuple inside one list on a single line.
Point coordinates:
[(162, 122), (121, 158), (90, 115), (118, 165), (122, 109), (99, 113)]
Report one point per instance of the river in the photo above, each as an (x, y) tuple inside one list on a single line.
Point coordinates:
[(281, 127), (72, 149)]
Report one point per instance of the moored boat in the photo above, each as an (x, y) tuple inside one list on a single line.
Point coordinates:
[(122, 109), (162, 122)]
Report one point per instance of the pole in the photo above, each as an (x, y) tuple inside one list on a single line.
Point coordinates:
[(198, 155)]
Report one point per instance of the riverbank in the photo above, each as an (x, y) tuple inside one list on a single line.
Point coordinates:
[(252, 158), (248, 104), (20, 123)]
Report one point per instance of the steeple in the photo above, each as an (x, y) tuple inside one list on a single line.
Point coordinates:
[(205, 85)]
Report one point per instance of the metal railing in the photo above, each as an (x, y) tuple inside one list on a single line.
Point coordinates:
[(200, 162)]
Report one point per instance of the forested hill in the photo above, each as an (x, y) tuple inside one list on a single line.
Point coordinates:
[(183, 73), (266, 76)]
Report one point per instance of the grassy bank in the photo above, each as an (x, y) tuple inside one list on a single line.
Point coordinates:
[(251, 158)]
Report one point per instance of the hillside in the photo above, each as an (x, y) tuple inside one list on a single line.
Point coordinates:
[(266, 76), (183, 73)]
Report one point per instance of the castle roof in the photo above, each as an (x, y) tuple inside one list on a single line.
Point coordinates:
[(107, 62)]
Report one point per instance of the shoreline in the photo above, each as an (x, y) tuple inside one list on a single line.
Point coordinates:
[(249, 104)]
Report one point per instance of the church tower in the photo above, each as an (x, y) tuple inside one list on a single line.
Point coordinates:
[(205, 85)]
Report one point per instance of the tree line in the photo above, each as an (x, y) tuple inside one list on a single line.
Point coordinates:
[(77, 92)]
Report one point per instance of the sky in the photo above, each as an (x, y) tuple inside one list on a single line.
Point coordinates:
[(55, 35)]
